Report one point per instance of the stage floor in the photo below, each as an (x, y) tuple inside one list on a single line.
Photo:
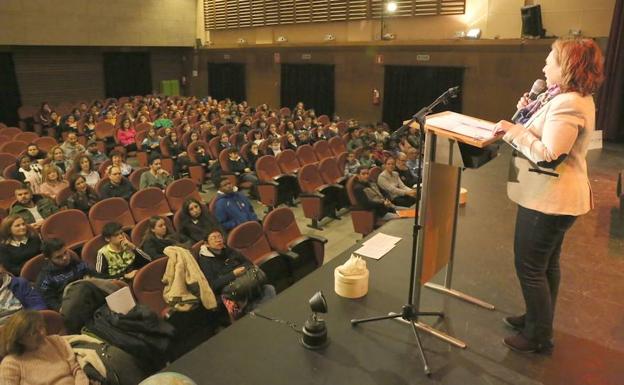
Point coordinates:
[(589, 321)]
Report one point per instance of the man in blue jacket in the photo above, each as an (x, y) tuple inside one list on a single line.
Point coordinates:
[(232, 207)]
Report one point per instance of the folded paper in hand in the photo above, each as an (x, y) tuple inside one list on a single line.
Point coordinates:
[(121, 301)]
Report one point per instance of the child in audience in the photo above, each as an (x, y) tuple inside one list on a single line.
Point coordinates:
[(351, 165), (118, 258), (59, 270)]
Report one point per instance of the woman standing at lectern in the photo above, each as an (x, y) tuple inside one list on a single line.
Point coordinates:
[(549, 182)]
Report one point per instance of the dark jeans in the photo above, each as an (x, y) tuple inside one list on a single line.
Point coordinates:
[(537, 246), (404, 201)]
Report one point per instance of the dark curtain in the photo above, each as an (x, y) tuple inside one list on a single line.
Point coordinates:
[(312, 84), (227, 80), (127, 74), (611, 96), (407, 89), (9, 91)]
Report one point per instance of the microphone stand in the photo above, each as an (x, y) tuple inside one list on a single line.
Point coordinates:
[(409, 312)]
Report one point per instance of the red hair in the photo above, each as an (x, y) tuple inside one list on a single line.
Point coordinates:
[(581, 65)]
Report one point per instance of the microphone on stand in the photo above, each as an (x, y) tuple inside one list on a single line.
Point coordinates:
[(539, 86)]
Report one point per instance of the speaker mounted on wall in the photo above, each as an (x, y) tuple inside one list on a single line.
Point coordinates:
[(532, 22)]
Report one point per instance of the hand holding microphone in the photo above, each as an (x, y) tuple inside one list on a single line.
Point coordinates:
[(539, 86)]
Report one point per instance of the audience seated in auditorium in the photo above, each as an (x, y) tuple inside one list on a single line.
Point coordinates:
[(117, 185), (83, 196), (96, 155), (413, 163), (406, 175), (156, 176), (71, 148), (126, 134), (352, 165), (28, 172), (275, 147), (83, 165), (33, 209), (163, 122), (35, 153), (195, 222), (243, 171), (32, 357), (53, 181), (151, 142), (118, 258), (393, 186), (304, 138), (253, 153), (118, 160), (157, 236), (367, 159), (356, 141), (291, 142), (380, 134), (19, 242), (57, 157), (369, 196), (232, 207), (224, 142), (58, 270), (88, 128), (221, 265)]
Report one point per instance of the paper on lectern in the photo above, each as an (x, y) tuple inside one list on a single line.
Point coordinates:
[(463, 125)]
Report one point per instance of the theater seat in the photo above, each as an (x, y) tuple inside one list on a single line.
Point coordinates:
[(61, 197), (135, 177), (6, 159), (374, 173), (322, 150), (283, 234), (306, 155), (27, 137), (363, 220), (316, 196), (148, 287), (7, 192), (179, 190), (337, 145), (274, 187), (110, 210), (45, 143), (249, 240), (15, 147), (32, 267), (90, 249), (10, 131), (54, 322), (288, 162), (148, 202), (72, 226)]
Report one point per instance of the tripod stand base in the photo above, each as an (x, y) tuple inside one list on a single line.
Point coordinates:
[(434, 332), (460, 295)]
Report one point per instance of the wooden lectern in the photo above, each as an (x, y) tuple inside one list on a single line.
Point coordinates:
[(449, 147)]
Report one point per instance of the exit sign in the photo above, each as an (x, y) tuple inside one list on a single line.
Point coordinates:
[(423, 57)]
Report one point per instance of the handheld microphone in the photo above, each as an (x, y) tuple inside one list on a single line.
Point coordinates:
[(539, 86)]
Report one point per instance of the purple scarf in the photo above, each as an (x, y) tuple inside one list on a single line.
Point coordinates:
[(535, 105)]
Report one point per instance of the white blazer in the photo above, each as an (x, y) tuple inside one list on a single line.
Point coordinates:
[(563, 126)]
